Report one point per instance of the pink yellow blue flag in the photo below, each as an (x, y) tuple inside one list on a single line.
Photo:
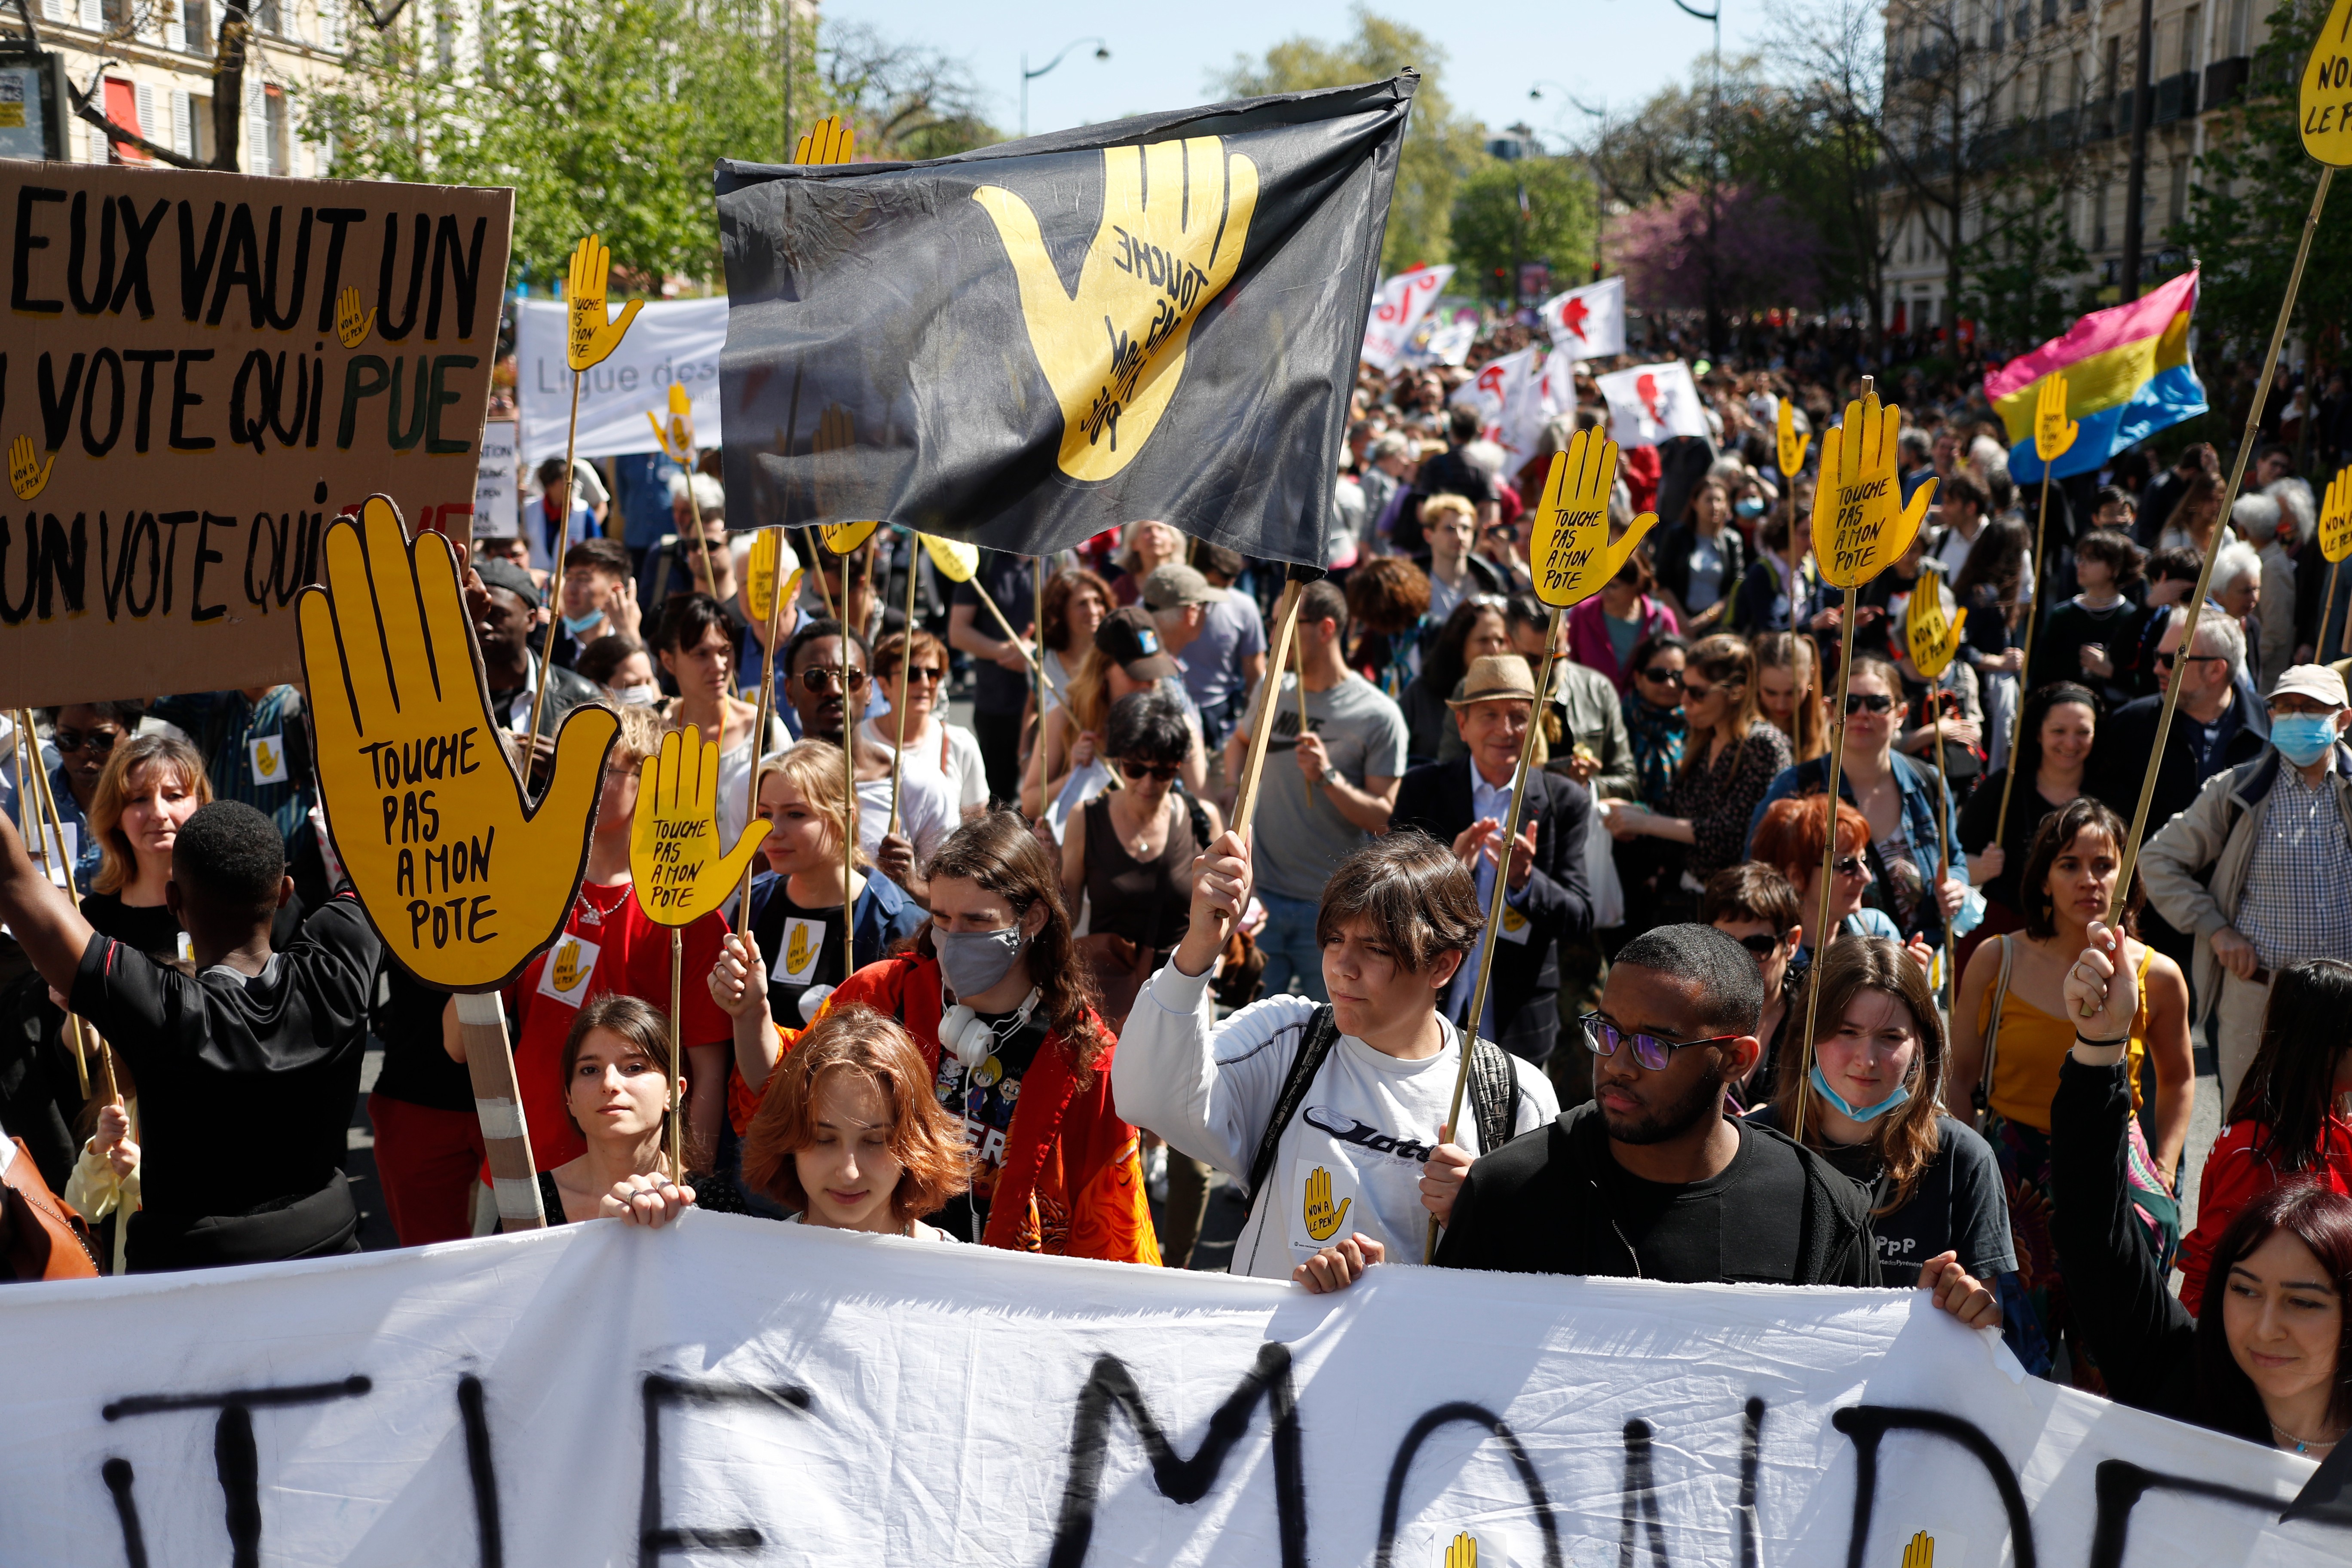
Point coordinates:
[(2127, 376)]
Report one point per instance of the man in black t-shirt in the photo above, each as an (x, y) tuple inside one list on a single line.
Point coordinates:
[(1650, 1179), (248, 1069)]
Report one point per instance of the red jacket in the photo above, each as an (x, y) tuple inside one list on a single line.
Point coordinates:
[(2235, 1175), (1072, 1181)]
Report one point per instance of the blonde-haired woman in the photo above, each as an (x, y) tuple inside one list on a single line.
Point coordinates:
[(1143, 547), (152, 786), (1789, 691)]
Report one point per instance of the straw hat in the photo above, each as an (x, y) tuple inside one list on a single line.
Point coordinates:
[(1497, 677)]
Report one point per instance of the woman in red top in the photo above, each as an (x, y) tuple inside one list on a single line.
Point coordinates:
[(992, 993), (2289, 1119)]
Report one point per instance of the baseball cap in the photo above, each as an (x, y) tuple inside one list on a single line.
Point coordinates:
[(2317, 681), (1174, 586), (1129, 641), (499, 574)]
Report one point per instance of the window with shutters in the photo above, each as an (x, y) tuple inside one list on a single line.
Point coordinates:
[(268, 17), (276, 133), (183, 125), (331, 25), (196, 27), (2192, 22), (257, 131)]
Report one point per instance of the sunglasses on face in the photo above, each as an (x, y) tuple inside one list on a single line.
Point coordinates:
[(1852, 866), (829, 681), (1696, 693), (1164, 772), (927, 674), (1762, 945), (100, 741), (1868, 702), (2164, 660), (1603, 1037), (1661, 675)]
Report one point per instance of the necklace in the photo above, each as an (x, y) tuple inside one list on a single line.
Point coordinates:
[(2304, 1445)]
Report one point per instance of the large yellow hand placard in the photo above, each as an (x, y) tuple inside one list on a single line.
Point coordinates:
[(2336, 518), (462, 880), (2054, 432), (1175, 216), (677, 436), (953, 559), (1572, 550), (1933, 636), (594, 338), (1861, 526), (2326, 102), (760, 575), (675, 857), (1792, 443), (827, 142)]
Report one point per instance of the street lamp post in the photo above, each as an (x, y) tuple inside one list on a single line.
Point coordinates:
[(1102, 52), (1714, 18)]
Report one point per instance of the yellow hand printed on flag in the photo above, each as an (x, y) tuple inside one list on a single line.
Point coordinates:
[(1323, 1221), (1861, 526), (1574, 557)]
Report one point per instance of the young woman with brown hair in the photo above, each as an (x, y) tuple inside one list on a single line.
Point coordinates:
[(617, 1085), (1789, 691)]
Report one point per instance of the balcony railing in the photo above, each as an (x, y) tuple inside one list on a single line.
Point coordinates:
[(2176, 98), (2225, 82)]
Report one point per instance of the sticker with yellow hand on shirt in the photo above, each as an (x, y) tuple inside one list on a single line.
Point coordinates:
[(1324, 1202), (268, 753), (803, 940), (569, 969), (1516, 926)]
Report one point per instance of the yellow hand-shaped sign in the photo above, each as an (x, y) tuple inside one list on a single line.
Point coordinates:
[(1861, 526), (841, 538), (1175, 216), (952, 558), (1572, 549), (567, 964), (1323, 1221), (1463, 1552), (2054, 432), (2336, 518), (27, 475), (760, 575), (352, 324), (827, 142), (594, 338), (1793, 442), (677, 437), (1921, 1551), (462, 880), (674, 855), (1933, 636), (2326, 102)]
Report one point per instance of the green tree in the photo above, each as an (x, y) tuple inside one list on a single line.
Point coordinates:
[(1493, 232), (1441, 147)]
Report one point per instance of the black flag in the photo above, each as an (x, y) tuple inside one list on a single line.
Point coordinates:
[(1025, 346)]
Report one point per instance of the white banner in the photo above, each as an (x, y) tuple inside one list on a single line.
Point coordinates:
[(671, 341), (1515, 396), (734, 1390), (1397, 309), (498, 482), (1587, 322), (1651, 402)]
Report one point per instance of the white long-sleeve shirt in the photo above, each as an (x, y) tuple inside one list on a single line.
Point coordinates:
[(1351, 1161)]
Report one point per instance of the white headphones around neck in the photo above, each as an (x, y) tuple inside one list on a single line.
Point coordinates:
[(972, 1040)]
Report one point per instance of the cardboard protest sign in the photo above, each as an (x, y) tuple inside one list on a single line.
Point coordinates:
[(461, 879), (599, 1394), (679, 870), (841, 538), (212, 367), (1931, 630), (954, 560), (760, 574), (1861, 526), (498, 483), (1792, 442), (1572, 536), (2054, 432)]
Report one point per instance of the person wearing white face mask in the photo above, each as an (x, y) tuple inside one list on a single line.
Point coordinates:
[(624, 669), (2259, 866)]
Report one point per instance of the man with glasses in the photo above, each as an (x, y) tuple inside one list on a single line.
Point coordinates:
[(823, 673), (84, 735), (1650, 1180)]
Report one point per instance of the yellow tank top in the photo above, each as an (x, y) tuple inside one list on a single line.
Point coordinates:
[(2032, 1044)]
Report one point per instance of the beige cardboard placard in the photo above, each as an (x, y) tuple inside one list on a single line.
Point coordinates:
[(201, 372)]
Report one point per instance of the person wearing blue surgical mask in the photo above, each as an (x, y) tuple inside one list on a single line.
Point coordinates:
[(598, 598), (1873, 1106)]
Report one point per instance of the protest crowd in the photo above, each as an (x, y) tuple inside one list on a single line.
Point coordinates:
[(1018, 979)]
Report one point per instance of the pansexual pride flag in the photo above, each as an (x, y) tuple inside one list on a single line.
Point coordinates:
[(2127, 376)]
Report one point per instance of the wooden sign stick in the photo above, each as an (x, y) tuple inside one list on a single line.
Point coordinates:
[(906, 679), (555, 579), (505, 1137), (1034, 656), (678, 1056), (2319, 648), (824, 588), (849, 722), (32, 789), (2033, 614), (1944, 841), (1261, 733), (1298, 652), (767, 715)]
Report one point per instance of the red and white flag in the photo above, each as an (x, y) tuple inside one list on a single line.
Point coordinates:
[(1398, 309), (1587, 322), (1516, 395), (1652, 402)]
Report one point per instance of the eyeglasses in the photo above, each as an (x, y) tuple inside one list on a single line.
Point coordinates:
[(2164, 660), (1696, 693), (1761, 945), (1852, 866), (1868, 701), (99, 741), (829, 681), (927, 673), (1164, 772), (1603, 1037), (1662, 675)]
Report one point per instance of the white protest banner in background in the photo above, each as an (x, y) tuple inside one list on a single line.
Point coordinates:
[(1516, 395), (602, 1394), (1397, 309), (1587, 322), (1448, 343), (498, 482), (1650, 402), (673, 342)]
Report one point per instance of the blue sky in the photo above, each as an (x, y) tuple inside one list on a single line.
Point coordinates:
[(1619, 51)]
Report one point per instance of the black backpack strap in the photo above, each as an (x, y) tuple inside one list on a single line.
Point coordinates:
[(1494, 1095), (1322, 1034)]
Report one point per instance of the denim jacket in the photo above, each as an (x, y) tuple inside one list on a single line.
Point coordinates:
[(1917, 786)]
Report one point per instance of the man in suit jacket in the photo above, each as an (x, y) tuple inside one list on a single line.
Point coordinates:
[(1463, 803)]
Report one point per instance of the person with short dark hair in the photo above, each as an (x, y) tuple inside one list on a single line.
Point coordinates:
[(556, 518), (1757, 907), (505, 609), (2094, 637), (248, 1068), (598, 597), (1331, 1114), (619, 1077), (1650, 1179), (624, 669)]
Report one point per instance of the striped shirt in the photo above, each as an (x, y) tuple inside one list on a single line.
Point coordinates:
[(246, 743)]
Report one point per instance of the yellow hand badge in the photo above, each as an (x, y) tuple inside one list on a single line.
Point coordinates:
[(675, 858), (567, 964), (760, 575), (27, 475), (352, 323), (827, 142), (677, 437), (1861, 526), (1793, 445), (269, 758), (2336, 518), (463, 881), (2054, 432), (1933, 637), (1463, 1552), (594, 338), (2326, 99), (1322, 1221), (953, 559), (1175, 217), (1572, 548), (800, 952), (1921, 1552)]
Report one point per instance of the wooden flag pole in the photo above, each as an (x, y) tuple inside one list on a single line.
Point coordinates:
[(1502, 891), (2214, 548), (1944, 844), (2017, 720), (47, 829), (776, 579), (1036, 655), (1299, 651), (555, 578), (1821, 931), (2319, 648), (1261, 733), (677, 1055), (906, 679), (505, 1135)]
